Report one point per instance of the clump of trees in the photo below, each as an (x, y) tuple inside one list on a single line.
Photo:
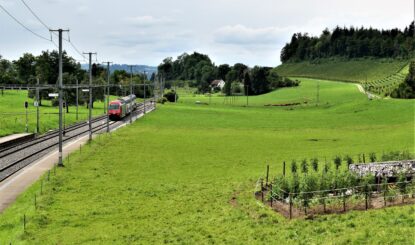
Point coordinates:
[(200, 71), (171, 96), (406, 90), (351, 43), (44, 67)]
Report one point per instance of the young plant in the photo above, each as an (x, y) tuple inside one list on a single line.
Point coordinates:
[(372, 157), (293, 167), (337, 162), (314, 164), (304, 166), (349, 160)]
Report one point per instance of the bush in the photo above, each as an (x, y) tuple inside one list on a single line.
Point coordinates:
[(337, 162), (162, 100), (171, 96), (293, 167)]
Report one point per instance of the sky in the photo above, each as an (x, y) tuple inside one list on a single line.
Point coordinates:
[(145, 32)]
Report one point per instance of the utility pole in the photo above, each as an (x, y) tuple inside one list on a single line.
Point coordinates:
[(60, 88), (37, 105), (90, 94), (131, 92), (77, 94), (107, 98)]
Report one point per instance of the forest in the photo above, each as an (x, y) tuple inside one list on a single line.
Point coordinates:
[(199, 71), (351, 42)]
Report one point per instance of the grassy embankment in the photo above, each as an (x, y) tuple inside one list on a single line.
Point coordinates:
[(171, 177), (13, 114)]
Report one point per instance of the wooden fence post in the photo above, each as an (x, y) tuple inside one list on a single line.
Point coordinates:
[(366, 195), (262, 190), (24, 222), (283, 169), (291, 206), (344, 201), (266, 183), (364, 160), (272, 196)]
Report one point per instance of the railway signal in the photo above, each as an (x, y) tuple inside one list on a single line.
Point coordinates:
[(26, 105)]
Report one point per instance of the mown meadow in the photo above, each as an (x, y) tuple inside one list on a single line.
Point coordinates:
[(186, 173), (13, 113)]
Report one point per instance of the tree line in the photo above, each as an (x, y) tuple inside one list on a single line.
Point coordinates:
[(351, 43), (28, 69), (199, 70)]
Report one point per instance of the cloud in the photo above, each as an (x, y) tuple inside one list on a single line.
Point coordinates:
[(148, 21), (242, 35)]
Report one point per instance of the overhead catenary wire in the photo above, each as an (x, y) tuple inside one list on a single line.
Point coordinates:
[(22, 25), (49, 29)]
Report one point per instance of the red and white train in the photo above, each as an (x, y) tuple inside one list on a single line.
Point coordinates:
[(121, 107)]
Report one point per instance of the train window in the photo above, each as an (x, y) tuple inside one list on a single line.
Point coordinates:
[(113, 107)]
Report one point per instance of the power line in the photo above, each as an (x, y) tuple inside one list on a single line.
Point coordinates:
[(48, 28), (34, 14), (22, 25)]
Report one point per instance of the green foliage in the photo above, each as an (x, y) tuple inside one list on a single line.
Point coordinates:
[(337, 162), (314, 164), (372, 157), (351, 43), (348, 159), (294, 167), (406, 90), (197, 188), (171, 96), (304, 166), (362, 71), (397, 155)]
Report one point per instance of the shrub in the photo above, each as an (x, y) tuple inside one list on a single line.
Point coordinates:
[(304, 166), (293, 167), (162, 100), (372, 157), (349, 160), (337, 162), (171, 96), (314, 164)]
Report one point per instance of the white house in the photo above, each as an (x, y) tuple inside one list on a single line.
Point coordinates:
[(217, 84)]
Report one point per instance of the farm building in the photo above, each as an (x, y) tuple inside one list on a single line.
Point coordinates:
[(217, 84), (384, 169)]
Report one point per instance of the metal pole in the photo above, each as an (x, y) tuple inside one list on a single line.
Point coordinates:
[(144, 97), (107, 101), (131, 91), (37, 107), (77, 92), (27, 121), (60, 163), (90, 95)]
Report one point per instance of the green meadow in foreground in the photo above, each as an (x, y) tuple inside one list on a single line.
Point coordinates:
[(185, 174)]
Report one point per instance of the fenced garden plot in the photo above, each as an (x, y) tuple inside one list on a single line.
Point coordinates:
[(316, 193)]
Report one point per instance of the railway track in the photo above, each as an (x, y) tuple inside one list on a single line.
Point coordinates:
[(17, 157)]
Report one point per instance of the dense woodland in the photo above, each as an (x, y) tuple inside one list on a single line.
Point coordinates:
[(351, 43), (406, 90), (44, 67), (200, 71)]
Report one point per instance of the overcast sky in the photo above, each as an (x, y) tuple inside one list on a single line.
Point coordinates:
[(229, 31)]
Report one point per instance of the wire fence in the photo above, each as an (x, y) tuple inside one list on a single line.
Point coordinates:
[(340, 200)]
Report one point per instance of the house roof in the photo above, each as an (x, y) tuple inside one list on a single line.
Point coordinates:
[(216, 82)]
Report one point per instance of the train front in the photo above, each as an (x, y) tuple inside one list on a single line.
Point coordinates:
[(115, 110)]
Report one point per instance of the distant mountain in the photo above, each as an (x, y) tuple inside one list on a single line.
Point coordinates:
[(136, 68)]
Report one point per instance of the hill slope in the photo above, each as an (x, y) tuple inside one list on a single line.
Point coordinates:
[(359, 70)]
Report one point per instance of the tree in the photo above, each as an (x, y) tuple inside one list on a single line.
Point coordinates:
[(337, 162), (314, 164), (304, 166), (293, 167)]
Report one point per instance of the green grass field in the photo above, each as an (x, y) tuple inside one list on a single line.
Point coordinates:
[(358, 70), (13, 113), (172, 176)]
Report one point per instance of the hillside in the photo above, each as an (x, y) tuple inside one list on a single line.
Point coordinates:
[(358, 70)]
